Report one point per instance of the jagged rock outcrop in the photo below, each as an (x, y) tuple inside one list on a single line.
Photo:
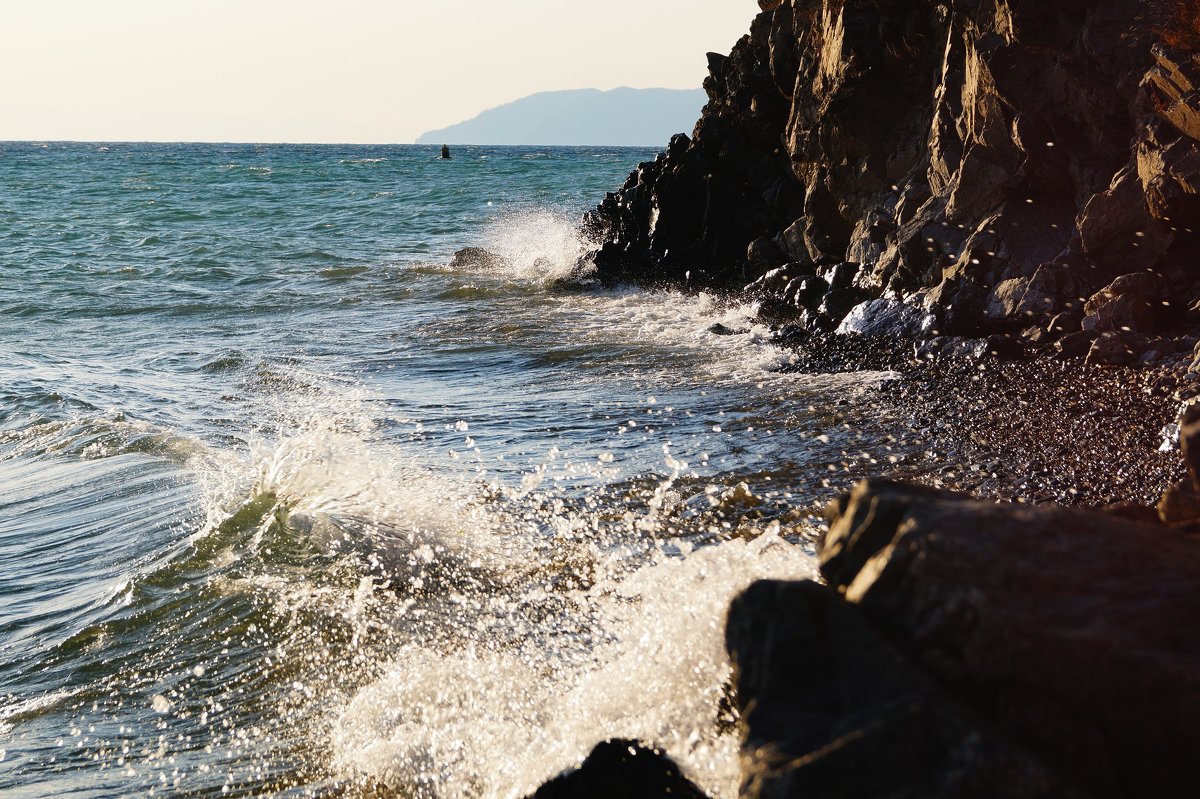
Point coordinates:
[(968, 649), (1007, 166)]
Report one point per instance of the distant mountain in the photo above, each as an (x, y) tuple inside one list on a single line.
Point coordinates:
[(620, 117)]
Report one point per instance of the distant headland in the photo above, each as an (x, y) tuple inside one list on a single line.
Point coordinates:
[(620, 117)]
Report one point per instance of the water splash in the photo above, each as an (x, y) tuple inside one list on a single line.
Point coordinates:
[(494, 634), (538, 245), (473, 717)]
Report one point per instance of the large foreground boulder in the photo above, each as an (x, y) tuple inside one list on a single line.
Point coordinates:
[(968, 649)]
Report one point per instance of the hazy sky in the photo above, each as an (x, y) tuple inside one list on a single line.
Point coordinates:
[(326, 71)]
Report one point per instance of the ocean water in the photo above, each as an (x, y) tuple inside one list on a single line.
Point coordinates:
[(290, 507)]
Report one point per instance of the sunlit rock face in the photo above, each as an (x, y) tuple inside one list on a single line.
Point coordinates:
[(944, 149)]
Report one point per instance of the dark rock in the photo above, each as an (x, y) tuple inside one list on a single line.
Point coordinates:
[(775, 281), (1133, 511), (1005, 301), (972, 349), (1066, 630), (476, 257), (620, 768), (1075, 345), (1126, 313), (806, 292), (719, 329), (1115, 349), (836, 304), (833, 708), (841, 276), (1065, 323), (1004, 347), (1026, 161), (762, 255), (1189, 441)]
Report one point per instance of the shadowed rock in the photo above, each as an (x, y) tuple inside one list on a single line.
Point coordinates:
[(620, 768), (971, 649)]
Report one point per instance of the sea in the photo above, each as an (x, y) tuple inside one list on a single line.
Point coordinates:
[(292, 506)]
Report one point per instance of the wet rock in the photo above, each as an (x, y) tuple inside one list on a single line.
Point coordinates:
[(806, 292), (886, 318), (719, 329), (841, 276), (625, 769), (775, 281), (973, 349), (836, 304), (1050, 642), (476, 257)]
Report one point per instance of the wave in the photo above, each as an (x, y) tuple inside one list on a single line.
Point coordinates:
[(92, 437)]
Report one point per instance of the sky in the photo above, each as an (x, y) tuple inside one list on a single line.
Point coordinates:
[(324, 71)]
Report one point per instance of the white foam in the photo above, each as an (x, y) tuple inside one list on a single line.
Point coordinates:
[(537, 245), (474, 718)]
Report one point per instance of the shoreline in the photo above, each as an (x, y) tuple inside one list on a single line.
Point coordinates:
[(999, 203)]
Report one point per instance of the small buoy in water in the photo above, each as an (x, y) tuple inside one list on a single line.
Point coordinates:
[(445, 151)]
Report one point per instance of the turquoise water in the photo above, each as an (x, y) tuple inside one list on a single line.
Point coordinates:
[(289, 506)]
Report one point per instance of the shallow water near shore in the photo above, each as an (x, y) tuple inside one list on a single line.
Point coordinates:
[(288, 506)]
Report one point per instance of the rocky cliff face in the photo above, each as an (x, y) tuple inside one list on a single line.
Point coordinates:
[(973, 167)]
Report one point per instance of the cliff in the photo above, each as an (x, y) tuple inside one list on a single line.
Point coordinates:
[(930, 169)]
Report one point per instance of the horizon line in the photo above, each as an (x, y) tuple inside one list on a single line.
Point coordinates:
[(307, 143)]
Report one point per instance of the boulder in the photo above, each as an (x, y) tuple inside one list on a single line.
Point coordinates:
[(806, 292), (476, 258), (1115, 349), (625, 769), (1076, 345), (1066, 634), (1128, 313), (886, 318), (1009, 626), (832, 707)]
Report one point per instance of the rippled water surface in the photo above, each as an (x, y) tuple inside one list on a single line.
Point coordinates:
[(289, 506)]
